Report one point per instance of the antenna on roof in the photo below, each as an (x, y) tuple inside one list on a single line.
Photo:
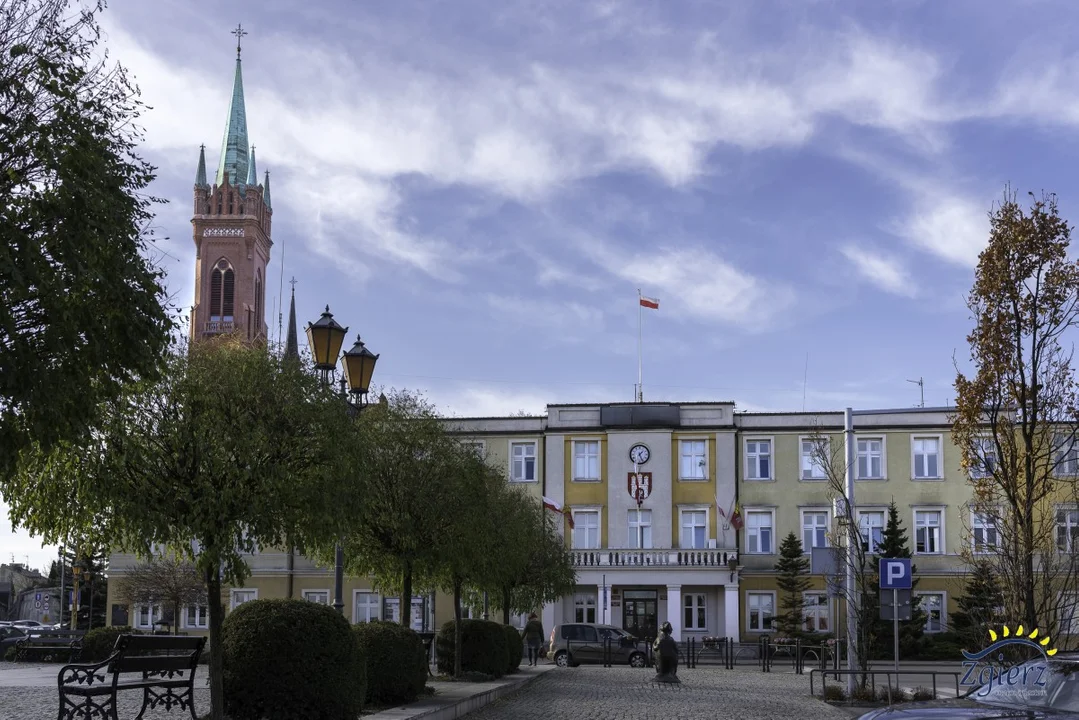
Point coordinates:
[(920, 382)]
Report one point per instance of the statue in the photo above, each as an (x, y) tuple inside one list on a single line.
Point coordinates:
[(665, 650)]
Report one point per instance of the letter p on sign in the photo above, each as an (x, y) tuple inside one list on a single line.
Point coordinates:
[(895, 574)]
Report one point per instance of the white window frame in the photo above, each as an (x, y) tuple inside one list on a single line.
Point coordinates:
[(157, 611), (1071, 528), (1069, 601), (202, 617), (1065, 445), (481, 444), (940, 510), (682, 510), (816, 615), (376, 605), (632, 532), (599, 459), (596, 510), (700, 465), (695, 603), (883, 513), (914, 455), (234, 591), (802, 477), (985, 523), (943, 609), (771, 526), (524, 461), (329, 595), (808, 549), (580, 602), (883, 440), (753, 459), (749, 610), (983, 445)]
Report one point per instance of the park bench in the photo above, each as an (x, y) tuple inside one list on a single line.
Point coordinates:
[(50, 642), (163, 668)]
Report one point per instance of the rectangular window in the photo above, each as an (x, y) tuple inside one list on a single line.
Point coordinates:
[(870, 459), (1067, 530), (758, 459), (933, 606), (815, 612), (584, 608), (926, 457), (759, 532), (524, 461), (586, 529), (1067, 455), (694, 529), (640, 529), (197, 617), (985, 452), (814, 456), (871, 525), (391, 611), (693, 465), (760, 609), (239, 597), (146, 616), (927, 532), (366, 607), (694, 616), (984, 532), (586, 460), (814, 530), (1069, 617), (322, 597)]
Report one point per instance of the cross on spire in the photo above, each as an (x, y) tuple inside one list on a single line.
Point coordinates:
[(239, 32), (292, 282)]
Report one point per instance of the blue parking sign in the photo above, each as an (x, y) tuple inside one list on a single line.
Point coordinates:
[(895, 574)]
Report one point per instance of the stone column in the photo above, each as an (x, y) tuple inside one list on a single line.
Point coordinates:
[(730, 612), (674, 611)]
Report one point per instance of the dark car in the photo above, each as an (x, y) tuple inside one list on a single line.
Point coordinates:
[(9, 636), (1035, 690)]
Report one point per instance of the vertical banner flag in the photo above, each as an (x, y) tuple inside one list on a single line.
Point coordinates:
[(736, 517), (556, 507)]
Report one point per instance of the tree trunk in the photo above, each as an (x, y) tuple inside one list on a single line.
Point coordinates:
[(406, 596), (506, 606), (457, 627), (176, 618), (217, 612)]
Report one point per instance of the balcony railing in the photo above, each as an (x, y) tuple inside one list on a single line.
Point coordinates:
[(652, 558), (217, 327)]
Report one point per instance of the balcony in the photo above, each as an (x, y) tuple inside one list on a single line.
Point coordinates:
[(652, 558)]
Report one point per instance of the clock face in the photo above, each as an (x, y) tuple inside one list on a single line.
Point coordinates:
[(639, 454)]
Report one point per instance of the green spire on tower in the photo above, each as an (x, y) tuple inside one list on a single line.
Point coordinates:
[(292, 345), (266, 191), (234, 145), (252, 173), (200, 174)]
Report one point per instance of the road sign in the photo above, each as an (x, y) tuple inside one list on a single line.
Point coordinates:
[(37, 604), (895, 574), (887, 604), (37, 596)]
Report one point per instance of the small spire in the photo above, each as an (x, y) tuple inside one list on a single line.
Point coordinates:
[(200, 174), (252, 173), (292, 345), (266, 191)]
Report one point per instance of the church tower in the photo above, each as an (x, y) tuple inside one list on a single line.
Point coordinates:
[(231, 225)]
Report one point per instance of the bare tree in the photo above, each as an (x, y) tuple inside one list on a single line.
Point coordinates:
[(167, 580)]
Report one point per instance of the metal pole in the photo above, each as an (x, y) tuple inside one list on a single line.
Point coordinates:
[(486, 606), (339, 579), (851, 585), (63, 577), (895, 627), (640, 345)]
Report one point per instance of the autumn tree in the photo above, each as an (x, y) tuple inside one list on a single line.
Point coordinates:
[(1015, 412), (792, 577), (165, 579)]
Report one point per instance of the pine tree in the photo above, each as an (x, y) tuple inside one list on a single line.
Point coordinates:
[(895, 544), (793, 580), (978, 608)]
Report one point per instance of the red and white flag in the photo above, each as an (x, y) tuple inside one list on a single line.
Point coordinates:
[(554, 505), (649, 302)]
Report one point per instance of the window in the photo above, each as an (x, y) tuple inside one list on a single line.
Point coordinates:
[(586, 460), (926, 463), (586, 529), (222, 292), (365, 607), (260, 315), (814, 457), (927, 532), (196, 617), (693, 465), (524, 461), (814, 530), (871, 526), (984, 532), (815, 612), (759, 531), (933, 605), (870, 459), (146, 616), (693, 617), (477, 446), (1069, 618), (239, 597), (985, 457), (584, 608), (1067, 455), (640, 532), (758, 459), (1067, 530), (760, 609), (391, 611), (694, 529), (322, 597)]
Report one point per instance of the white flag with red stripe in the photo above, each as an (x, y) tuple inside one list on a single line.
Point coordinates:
[(648, 302)]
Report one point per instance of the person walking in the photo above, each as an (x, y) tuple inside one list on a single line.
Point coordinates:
[(533, 633)]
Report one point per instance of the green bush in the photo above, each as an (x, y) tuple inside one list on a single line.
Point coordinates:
[(484, 648), (922, 693), (834, 693), (515, 648), (291, 659), (98, 643), (396, 662)]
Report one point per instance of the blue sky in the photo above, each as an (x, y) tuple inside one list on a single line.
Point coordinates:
[(479, 188)]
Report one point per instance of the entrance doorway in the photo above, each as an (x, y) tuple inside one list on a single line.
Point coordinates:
[(640, 613)]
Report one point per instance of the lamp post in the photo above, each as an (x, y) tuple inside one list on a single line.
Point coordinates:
[(76, 576), (325, 337)]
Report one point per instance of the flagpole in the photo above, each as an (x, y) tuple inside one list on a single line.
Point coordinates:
[(640, 366)]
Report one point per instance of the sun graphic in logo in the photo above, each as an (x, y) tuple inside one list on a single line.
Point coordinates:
[(1018, 635)]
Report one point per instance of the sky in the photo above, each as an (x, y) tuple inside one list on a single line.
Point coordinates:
[(480, 189)]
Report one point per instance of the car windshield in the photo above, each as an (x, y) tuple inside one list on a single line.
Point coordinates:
[(1038, 683)]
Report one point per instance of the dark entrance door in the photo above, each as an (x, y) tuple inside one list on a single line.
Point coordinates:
[(639, 613)]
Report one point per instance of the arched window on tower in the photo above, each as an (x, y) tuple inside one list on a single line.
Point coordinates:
[(259, 316), (222, 292)]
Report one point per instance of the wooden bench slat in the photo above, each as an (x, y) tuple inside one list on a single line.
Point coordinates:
[(142, 663), (141, 643)]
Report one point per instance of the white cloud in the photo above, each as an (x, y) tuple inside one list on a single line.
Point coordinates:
[(950, 226), (570, 320), (886, 272)]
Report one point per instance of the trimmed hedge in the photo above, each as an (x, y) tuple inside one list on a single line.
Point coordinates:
[(97, 644), (515, 648), (291, 660), (396, 664), (484, 648)]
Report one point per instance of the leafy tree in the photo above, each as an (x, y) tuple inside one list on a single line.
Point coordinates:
[(81, 308), (165, 579), (792, 577), (895, 544), (1014, 420), (980, 605), (229, 450)]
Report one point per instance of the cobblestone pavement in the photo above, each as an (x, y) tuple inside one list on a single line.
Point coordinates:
[(599, 693)]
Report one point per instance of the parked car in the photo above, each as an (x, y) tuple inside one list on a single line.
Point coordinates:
[(1034, 690), (574, 643), (26, 623), (9, 636)]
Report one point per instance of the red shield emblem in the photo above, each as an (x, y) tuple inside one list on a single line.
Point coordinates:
[(639, 485)]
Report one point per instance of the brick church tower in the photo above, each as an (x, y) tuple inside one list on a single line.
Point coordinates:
[(231, 224)]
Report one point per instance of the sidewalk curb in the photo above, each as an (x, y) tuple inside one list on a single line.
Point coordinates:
[(433, 709)]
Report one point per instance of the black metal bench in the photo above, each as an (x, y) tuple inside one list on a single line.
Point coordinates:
[(167, 666), (69, 641)]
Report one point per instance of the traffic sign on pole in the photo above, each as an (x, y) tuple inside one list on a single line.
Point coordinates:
[(895, 574)]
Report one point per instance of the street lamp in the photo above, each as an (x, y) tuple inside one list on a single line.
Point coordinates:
[(76, 576), (325, 336)]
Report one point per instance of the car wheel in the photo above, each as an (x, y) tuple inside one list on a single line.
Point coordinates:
[(561, 658), (637, 660)]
